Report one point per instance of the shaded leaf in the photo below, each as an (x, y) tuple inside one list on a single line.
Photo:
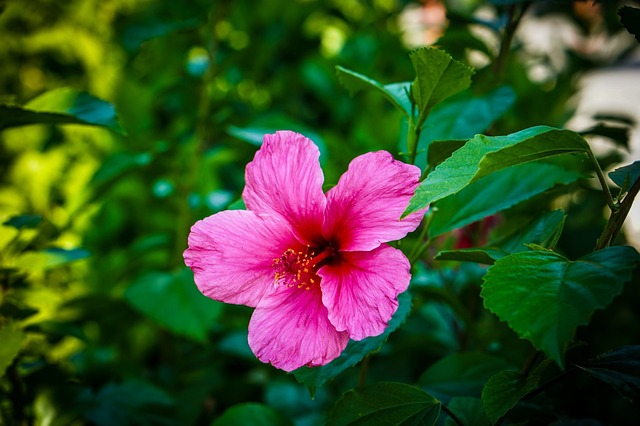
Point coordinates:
[(625, 177), (174, 302), (620, 368), (129, 402), (469, 411), (497, 192), (438, 76), (619, 135), (484, 155), (630, 19), (385, 403), (251, 413), (544, 296), (460, 374), (355, 350), (485, 256), (461, 117), (62, 106), (396, 93), (28, 221), (503, 391), (11, 337), (117, 165)]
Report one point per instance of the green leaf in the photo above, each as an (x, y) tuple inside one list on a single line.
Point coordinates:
[(544, 231), (385, 404), (618, 134), (497, 192), (251, 413), (174, 302), (620, 368), (355, 350), (130, 402), (62, 106), (396, 93), (463, 116), (440, 150), (625, 177), (484, 155), (11, 337), (27, 221), (460, 374), (117, 165), (468, 410), (630, 19), (49, 258), (503, 391), (544, 296), (438, 76)]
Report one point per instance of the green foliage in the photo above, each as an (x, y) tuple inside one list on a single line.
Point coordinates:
[(386, 403), (122, 123), (554, 295)]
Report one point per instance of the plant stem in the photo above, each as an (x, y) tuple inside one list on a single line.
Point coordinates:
[(515, 13), (618, 217), (413, 137), (451, 414), (603, 182)]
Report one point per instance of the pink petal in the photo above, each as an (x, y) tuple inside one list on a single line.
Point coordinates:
[(231, 254), (285, 179), (290, 329), (360, 289), (364, 208)]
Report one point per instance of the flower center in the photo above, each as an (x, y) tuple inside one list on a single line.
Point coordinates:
[(299, 268)]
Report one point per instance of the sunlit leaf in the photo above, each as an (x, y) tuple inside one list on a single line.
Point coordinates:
[(355, 350), (396, 93), (460, 374), (251, 413), (11, 337), (544, 296), (497, 192), (484, 155), (438, 76), (385, 404), (49, 258), (620, 368), (174, 302)]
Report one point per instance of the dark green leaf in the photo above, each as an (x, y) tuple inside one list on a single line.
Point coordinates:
[(498, 192), (129, 402), (626, 176), (619, 135), (28, 221), (620, 368), (544, 296), (461, 117), (62, 106), (117, 165), (174, 302), (460, 374), (503, 391), (251, 413), (468, 410), (440, 150), (484, 155), (544, 231), (396, 93), (438, 76), (630, 18), (355, 350), (11, 337), (386, 404)]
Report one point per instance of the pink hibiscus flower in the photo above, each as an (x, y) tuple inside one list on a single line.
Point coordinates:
[(315, 266)]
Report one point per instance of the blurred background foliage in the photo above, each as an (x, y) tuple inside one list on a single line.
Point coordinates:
[(100, 323)]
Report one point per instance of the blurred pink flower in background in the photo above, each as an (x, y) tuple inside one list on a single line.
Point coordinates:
[(315, 266)]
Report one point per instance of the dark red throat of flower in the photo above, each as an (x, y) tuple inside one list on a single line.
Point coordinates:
[(300, 268)]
